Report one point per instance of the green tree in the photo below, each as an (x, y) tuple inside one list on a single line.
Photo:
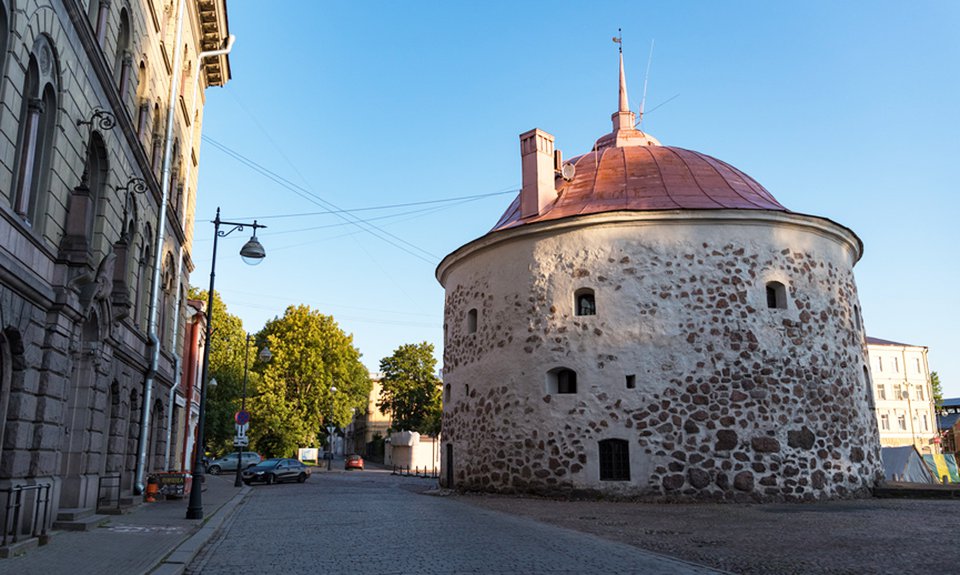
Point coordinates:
[(314, 379), (937, 390), (227, 343), (410, 390)]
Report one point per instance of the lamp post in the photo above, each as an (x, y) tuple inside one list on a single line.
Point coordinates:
[(252, 253), (264, 357)]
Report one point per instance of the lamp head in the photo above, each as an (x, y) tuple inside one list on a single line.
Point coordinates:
[(265, 355), (252, 252)]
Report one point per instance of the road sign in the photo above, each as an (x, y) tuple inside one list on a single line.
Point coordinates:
[(241, 417), (242, 429), (241, 441)]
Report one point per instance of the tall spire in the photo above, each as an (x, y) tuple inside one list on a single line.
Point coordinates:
[(623, 118), (624, 131), (624, 106)]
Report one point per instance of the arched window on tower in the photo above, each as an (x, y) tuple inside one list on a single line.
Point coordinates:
[(776, 295), (561, 380), (585, 302), (38, 119)]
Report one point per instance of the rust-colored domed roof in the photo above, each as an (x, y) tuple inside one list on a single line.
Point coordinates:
[(648, 177)]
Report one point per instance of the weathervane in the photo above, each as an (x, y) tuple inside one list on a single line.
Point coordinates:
[(619, 39)]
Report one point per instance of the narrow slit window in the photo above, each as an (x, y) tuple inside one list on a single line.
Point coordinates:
[(631, 381), (446, 392), (472, 321), (776, 295), (614, 460), (585, 302)]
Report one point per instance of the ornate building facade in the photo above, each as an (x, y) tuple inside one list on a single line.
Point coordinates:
[(649, 321), (101, 107)]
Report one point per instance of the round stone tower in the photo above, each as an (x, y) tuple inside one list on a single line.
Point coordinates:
[(649, 321)]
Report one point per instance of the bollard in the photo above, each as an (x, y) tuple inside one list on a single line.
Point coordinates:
[(153, 488)]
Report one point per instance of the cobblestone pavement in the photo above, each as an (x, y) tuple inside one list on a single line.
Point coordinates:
[(372, 522), (896, 536)]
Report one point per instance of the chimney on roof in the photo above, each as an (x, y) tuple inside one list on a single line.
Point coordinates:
[(539, 174)]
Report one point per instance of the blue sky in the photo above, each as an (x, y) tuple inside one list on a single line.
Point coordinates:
[(846, 110)]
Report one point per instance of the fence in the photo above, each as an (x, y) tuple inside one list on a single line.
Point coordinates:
[(14, 506), (416, 472)]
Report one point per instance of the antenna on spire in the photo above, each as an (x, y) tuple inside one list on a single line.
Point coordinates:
[(643, 101), (619, 39)]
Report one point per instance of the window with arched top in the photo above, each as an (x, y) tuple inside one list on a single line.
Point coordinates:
[(561, 380), (98, 173), (122, 59), (614, 460), (37, 129), (776, 295), (142, 282), (585, 302), (167, 288), (472, 321)]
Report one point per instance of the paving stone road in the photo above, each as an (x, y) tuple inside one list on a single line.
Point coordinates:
[(372, 522)]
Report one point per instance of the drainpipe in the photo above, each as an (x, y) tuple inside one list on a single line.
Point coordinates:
[(158, 255), (177, 359)]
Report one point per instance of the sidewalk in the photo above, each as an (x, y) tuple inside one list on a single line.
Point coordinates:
[(153, 538)]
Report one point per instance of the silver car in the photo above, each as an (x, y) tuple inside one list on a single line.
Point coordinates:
[(229, 462)]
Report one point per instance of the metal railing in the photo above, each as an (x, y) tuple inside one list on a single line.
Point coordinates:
[(15, 501), (416, 472), (108, 483)]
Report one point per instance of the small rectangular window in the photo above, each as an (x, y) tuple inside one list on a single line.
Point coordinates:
[(881, 391), (896, 364), (918, 365), (631, 381), (902, 422), (884, 421), (880, 363)]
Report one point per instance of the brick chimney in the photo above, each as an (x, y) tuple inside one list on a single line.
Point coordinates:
[(539, 176)]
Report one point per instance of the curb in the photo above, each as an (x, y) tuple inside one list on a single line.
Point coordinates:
[(176, 562)]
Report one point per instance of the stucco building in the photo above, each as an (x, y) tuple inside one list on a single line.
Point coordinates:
[(369, 425), (646, 320), (101, 107), (903, 395)]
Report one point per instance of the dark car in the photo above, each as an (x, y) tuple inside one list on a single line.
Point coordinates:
[(353, 462), (275, 471)]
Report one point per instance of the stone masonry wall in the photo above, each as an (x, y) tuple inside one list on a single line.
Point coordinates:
[(732, 400)]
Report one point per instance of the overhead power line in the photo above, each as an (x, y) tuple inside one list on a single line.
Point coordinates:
[(308, 195)]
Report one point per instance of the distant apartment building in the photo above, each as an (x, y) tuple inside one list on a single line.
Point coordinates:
[(365, 427), (903, 395)]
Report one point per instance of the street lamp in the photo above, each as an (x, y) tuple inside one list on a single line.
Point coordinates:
[(264, 356), (252, 250)]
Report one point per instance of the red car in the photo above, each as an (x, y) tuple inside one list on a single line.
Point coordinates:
[(353, 462)]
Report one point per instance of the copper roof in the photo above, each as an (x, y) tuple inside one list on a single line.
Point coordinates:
[(648, 178)]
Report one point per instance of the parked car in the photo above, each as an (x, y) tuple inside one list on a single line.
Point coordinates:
[(353, 462), (272, 471), (229, 462)]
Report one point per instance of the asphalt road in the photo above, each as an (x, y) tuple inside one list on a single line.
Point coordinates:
[(374, 522)]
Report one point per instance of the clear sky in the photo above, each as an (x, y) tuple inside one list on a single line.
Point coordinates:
[(846, 110)]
